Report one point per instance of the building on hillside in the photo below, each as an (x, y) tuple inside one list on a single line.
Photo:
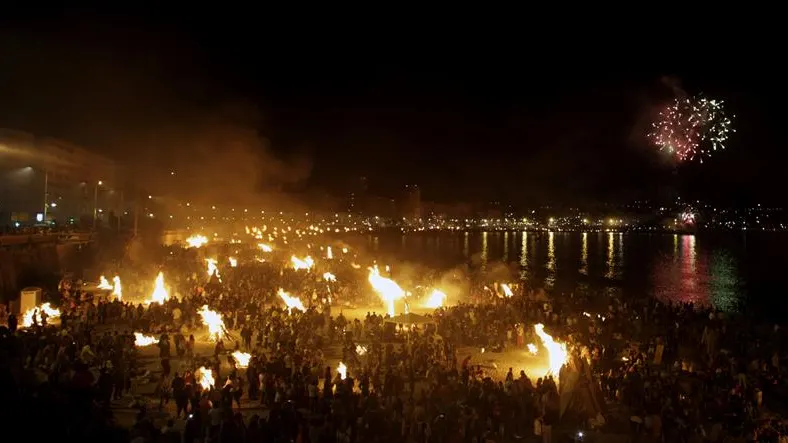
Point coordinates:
[(410, 207), (446, 210), (381, 207), (357, 200)]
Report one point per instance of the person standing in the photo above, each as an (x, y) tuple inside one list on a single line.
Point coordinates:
[(12, 323), (164, 388), (179, 395)]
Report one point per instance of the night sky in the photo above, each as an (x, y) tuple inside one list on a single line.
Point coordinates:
[(472, 113)]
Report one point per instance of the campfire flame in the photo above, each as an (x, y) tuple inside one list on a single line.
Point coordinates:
[(117, 289), (387, 289), (212, 268), (196, 241), (27, 317), (290, 301), (306, 263), (160, 294), (342, 370), (214, 321), (556, 352), (205, 377), (143, 340), (507, 291), (103, 283), (435, 299), (242, 359), (532, 348), (327, 276)]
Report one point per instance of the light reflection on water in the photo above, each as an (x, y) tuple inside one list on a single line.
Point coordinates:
[(551, 251), (689, 276), (549, 282), (682, 278), (675, 268), (723, 282), (506, 247), (484, 251), (524, 251), (610, 264), (524, 256)]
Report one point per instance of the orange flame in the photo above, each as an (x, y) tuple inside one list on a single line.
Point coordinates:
[(242, 359), (103, 283), (290, 301), (387, 289), (27, 317), (143, 340), (196, 241), (160, 294), (556, 352), (306, 263), (214, 321), (435, 299), (205, 377)]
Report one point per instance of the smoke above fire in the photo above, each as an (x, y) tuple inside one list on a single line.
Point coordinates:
[(219, 157)]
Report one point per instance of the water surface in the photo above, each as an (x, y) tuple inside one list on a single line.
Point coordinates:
[(727, 271)]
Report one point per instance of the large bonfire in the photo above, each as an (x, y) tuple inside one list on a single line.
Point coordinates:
[(30, 314), (141, 339), (387, 289), (299, 264), (160, 294), (117, 289), (290, 301), (214, 321), (196, 241), (556, 352)]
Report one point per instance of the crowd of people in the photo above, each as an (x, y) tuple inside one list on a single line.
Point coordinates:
[(652, 371)]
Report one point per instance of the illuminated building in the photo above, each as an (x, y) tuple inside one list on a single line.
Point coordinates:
[(71, 179)]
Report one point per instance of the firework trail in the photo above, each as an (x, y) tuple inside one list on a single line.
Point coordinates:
[(691, 127)]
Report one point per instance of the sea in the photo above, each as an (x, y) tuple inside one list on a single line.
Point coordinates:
[(732, 272)]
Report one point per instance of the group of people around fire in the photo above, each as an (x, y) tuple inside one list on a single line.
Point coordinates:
[(656, 371)]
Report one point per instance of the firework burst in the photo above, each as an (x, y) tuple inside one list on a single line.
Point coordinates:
[(691, 127), (688, 216)]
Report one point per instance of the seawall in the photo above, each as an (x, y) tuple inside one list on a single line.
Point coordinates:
[(40, 264)]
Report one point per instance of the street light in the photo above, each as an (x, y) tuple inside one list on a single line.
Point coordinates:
[(46, 194), (95, 202)]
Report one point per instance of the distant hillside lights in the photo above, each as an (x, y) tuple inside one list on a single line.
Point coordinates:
[(639, 218)]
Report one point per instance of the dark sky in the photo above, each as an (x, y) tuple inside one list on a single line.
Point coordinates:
[(476, 111)]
